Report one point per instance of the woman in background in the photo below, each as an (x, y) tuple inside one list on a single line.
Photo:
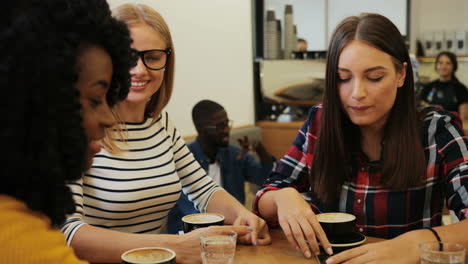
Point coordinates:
[(367, 151), (447, 91), (124, 200), (62, 65)]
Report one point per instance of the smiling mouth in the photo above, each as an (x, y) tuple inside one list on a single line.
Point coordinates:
[(138, 85)]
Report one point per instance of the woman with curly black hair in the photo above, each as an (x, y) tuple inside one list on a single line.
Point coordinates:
[(63, 64)]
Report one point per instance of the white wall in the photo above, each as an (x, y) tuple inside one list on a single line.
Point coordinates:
[(441, 15), (213, 42)]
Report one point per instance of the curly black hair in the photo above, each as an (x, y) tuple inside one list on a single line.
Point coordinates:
[(44, 142)]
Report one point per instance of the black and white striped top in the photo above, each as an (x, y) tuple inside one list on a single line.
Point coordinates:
[(134, 190)]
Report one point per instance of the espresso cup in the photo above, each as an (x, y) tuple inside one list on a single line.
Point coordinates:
[(337, 224), (194, 221), (149, 255)]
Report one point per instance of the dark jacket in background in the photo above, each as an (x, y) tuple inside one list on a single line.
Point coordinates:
[(233, 174), (449, 95)]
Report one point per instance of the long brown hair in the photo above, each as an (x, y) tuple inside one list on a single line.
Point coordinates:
[(403, 163)]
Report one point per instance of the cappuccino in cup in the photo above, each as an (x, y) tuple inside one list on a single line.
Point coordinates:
[(149, 255), (337, 224), (335, 217), (195, 221)]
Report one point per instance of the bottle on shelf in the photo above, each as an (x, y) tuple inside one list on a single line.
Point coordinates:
[(289, 33)]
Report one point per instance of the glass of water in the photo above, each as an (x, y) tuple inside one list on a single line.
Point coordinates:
[(437, 252), (218, 247)]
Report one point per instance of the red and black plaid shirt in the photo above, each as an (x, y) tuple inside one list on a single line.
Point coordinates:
[(384, 212)]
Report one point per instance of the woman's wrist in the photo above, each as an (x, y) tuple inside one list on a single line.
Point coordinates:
[(222, 202), (417, 236), (436, 235), (284, 192), (239, 211), (170, 241), (413, 238)]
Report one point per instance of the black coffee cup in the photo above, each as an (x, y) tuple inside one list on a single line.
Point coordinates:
[(337, 224), (194, 221), (149, 255)]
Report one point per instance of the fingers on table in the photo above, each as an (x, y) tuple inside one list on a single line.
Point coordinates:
[(256, 223), (287, 232), (295, 236), (264, 240), (264, 237), (351, 256), (244, 238), (320, 234), (310, 234)]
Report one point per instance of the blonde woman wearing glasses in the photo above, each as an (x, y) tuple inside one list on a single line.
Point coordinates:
[(124, 199)]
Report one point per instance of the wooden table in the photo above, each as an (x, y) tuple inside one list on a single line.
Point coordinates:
[(278, 252)]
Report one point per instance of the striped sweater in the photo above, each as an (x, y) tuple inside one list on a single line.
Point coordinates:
[(133, 191)]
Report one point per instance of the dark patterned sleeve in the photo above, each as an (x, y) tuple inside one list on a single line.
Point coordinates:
[(293, 168), (453, 148)]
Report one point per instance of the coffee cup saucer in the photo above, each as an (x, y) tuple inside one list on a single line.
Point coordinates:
[(351, 240), (340, 244)]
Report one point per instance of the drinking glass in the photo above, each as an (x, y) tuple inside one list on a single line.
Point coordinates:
[(446, 253), (218, 247)]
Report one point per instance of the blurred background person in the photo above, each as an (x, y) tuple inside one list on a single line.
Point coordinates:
[(301, 45), (228, 165), (62, 64), (447, 91)]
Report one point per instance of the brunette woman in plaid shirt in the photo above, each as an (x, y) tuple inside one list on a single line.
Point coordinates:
[(368, 151)]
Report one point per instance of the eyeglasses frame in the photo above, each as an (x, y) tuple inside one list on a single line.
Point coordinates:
[(214, 127), (141, 55)]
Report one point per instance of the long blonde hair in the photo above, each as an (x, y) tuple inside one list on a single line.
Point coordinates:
[(133, 14)]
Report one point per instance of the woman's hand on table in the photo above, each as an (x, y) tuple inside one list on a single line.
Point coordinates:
[(402, 250), (187, 246), (260, 235), (299, 223)]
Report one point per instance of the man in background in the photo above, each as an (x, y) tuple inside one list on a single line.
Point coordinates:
[(301, 45), (228, 165)]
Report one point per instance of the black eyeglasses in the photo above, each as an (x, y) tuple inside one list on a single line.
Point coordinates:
[(220, 126), (155, 59)]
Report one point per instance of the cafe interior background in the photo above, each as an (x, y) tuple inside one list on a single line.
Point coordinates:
[(233, 52)]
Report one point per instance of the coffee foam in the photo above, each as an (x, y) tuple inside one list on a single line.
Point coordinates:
[(202, 218), (335, 217), (148, 255)]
